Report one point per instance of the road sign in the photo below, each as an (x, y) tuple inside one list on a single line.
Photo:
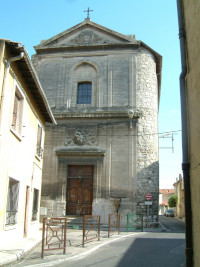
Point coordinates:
[(148, 203), (148, 196)]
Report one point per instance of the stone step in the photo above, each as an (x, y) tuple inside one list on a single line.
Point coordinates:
[(76, 222)]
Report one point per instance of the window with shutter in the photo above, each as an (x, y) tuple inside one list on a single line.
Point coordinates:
[(39, 149), (12, 202), (17, 112), (35, 204)]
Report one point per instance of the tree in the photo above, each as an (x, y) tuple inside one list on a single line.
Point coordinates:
[(173, 201)]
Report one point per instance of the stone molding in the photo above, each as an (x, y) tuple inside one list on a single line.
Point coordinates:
[(81, 151), (59, 115)]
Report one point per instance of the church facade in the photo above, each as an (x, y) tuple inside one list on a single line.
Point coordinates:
[(102, 156)]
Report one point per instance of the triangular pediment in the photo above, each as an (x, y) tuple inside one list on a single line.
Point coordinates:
[(86, 33)]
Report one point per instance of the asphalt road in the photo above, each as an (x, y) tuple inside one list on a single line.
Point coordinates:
[(148, 249), (172, 224), (155, 249)]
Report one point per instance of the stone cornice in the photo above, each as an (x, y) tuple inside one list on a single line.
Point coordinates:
[(83, 151), (79, 48), (109, 114)]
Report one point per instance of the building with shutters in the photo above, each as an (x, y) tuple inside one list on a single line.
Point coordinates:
[(23, 112), (102, 156), (164, 195)]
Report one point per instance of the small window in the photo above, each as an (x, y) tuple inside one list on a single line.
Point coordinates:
[(12, 202), (35, 205), (39, 149), (17, 112), (84, 93)]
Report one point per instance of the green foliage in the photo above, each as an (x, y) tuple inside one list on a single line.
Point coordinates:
[(173, 201)]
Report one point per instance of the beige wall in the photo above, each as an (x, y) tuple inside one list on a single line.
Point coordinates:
[(180, 207), (192, 27), (129, 167), (18, 158)]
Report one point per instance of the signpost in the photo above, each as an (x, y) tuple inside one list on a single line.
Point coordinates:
[(149, 203), (148, 197)]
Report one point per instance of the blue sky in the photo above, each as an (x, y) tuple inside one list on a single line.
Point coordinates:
[(152, 21)]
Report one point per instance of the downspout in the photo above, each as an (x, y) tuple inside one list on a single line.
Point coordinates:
[(12, 59), (185, 163)]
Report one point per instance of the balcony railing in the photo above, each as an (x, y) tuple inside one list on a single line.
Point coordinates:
[(11, 217)]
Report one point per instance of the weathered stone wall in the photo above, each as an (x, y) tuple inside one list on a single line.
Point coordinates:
[(114, 172), (128, 168), (109, 76), (147, 129)]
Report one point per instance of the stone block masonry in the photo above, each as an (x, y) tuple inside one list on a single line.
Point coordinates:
[(114, 133)]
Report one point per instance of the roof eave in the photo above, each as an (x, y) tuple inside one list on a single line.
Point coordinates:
[(39, 86), (48, 115), (78, 26)]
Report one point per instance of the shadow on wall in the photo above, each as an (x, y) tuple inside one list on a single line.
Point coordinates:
[(54, 195)]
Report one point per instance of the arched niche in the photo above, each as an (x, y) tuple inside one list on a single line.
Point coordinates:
[(84, 71)]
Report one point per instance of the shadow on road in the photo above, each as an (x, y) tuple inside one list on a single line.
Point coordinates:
[(155, 252)]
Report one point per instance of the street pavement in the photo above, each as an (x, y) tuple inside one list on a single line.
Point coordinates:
[(21, 254), (142, 250), (77, 255), (172, 224)]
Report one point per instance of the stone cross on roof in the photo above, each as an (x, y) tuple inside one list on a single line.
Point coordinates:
[(88, 12)]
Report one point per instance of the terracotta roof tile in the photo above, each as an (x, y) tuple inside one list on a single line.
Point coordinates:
[(166, 191)]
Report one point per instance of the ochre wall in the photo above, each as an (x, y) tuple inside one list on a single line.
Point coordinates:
[(192, 27), (18, 158)]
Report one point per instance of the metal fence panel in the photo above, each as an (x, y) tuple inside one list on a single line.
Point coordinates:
[(54, 234), (91, 227), (113, 223), (134, 222)]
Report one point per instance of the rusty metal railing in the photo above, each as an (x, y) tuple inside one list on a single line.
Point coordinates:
[(113, 223), (91, 227), (54, 234)]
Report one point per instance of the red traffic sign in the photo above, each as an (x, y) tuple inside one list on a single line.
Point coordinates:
[(148, 196)]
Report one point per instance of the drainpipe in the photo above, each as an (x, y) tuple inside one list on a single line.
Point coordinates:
[(12, 59), (185, 163)]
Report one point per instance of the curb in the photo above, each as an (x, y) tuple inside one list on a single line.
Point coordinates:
[(14, 257), (164, 228), (84, 254)]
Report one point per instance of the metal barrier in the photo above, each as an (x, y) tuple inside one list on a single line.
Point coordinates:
[(54, 234), (134, 222), (91, 227), (113, 222)]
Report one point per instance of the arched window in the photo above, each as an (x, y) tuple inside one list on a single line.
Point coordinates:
[(84, 95)]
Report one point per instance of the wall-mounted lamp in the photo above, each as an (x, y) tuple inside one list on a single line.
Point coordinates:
[(131, 114)]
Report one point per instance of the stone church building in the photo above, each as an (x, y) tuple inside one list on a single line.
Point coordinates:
[(102, 156)]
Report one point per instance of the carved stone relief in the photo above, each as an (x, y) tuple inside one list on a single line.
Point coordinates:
[(88, 38), (81, 137)]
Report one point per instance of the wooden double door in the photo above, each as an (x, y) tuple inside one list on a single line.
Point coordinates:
[(79, 190)]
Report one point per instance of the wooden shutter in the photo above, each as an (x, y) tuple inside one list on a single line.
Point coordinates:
[(15, 111), (39, 140)]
